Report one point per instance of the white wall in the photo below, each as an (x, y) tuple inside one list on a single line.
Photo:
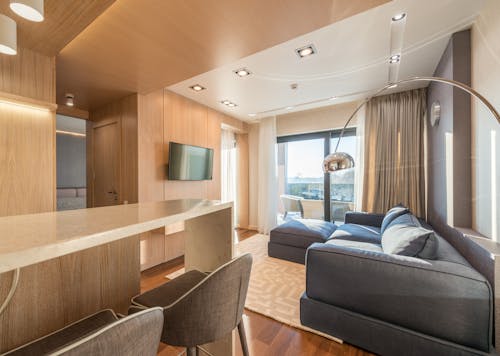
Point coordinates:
[(486, 159), (321, 119)]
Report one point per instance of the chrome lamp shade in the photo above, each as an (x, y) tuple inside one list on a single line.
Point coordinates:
[(337, 161)]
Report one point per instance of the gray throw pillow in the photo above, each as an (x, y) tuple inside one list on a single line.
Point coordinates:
[(405, 236), (392, 214)]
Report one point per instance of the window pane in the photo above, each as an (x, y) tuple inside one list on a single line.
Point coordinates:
[(342, 183), (301, 176)]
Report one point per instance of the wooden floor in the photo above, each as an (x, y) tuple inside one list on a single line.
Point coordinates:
[(265, 336)]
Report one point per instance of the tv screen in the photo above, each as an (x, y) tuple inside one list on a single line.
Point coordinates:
[(187, 162)]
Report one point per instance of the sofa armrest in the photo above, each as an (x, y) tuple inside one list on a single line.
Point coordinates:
[(354, 217), (438, 298)]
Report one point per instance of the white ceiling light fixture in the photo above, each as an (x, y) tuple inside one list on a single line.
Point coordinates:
[(399, 17), (333, 98), (305, 51), (394, 59), (8, 35), (252, 115), (70, 99), (197, 87), (289, 107), (29, 9), (228, 103), (242, 72)]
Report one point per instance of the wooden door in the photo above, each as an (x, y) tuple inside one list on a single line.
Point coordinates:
[(106, 164)]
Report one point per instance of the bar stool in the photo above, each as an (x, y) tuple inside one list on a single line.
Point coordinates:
[(200, 308), (101, 334)]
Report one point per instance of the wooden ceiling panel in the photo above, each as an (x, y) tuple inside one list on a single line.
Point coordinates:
[(141, 46), (64, 20)]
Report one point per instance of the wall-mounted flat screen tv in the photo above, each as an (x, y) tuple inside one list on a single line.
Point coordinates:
[(187, 162)]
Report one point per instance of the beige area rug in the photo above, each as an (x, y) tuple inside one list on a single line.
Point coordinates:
[(275, 285)]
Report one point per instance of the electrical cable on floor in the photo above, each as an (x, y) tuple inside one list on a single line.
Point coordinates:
[(13, 287)]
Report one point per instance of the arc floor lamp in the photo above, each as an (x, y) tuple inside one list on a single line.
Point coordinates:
[(340, 160)]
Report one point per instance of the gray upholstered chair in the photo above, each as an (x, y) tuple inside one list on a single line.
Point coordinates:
[(201, 308), (102, 334)]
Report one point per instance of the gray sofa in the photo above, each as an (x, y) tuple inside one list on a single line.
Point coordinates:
[(423, 298)]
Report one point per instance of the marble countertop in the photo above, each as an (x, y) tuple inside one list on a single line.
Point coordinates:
[(30, 239)]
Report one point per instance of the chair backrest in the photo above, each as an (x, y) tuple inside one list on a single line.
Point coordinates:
[(137, 334), (313, 209), (291, 203), (212, 308)]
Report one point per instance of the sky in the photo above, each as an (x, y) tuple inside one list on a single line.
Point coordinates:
[(305, 158)]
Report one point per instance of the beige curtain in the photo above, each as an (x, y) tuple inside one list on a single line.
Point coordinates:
[(394, 152)]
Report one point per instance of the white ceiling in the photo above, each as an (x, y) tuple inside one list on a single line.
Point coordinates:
[(351, 60)]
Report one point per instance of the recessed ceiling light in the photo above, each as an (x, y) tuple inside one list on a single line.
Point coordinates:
[(228, 103), (333, 98), (289, 107), (252, 115), (392, 86), (305, 51), (197, 87), (70, 99), (394, 59), (29, 9), (242, 72), (399, 17)]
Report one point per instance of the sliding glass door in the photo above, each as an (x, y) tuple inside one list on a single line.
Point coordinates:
[(301, 177)]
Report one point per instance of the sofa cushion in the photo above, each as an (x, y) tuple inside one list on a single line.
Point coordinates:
[(355, 232), (392, 214), (405, 236), (302, 232), (365, 246)]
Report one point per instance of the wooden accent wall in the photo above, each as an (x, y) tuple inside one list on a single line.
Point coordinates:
[(125, 113), (27, 135), (242, 206), (164, 117)]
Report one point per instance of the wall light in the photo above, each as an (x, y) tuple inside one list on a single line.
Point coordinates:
[(29, 9), (8, 35), (70, 99)]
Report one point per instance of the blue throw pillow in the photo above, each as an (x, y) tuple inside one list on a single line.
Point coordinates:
[(392, 214), (405, 236)]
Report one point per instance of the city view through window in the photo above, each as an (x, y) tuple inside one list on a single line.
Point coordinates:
[(301, 177)]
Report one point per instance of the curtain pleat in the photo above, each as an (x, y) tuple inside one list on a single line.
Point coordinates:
[(394, 152)]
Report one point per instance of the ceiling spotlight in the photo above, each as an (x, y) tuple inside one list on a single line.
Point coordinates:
[(392, 86), (8, 35), (225, 102), (197, 87), (70, 99), (305, 51), (399, 17), (228, 103), (29, 9), (394, 59), (289, 107), (333, 98), (242, 72), (231, 105), (252, 115)]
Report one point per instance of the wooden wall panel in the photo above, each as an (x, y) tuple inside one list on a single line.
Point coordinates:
[(184, 122), (151, 147), (27, 135), (50, 292), (27, 160), (29, 74), (125, 113)]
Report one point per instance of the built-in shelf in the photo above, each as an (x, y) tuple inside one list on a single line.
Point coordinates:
[(26, 102)]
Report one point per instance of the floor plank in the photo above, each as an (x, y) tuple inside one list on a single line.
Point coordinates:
[(265, 336)]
